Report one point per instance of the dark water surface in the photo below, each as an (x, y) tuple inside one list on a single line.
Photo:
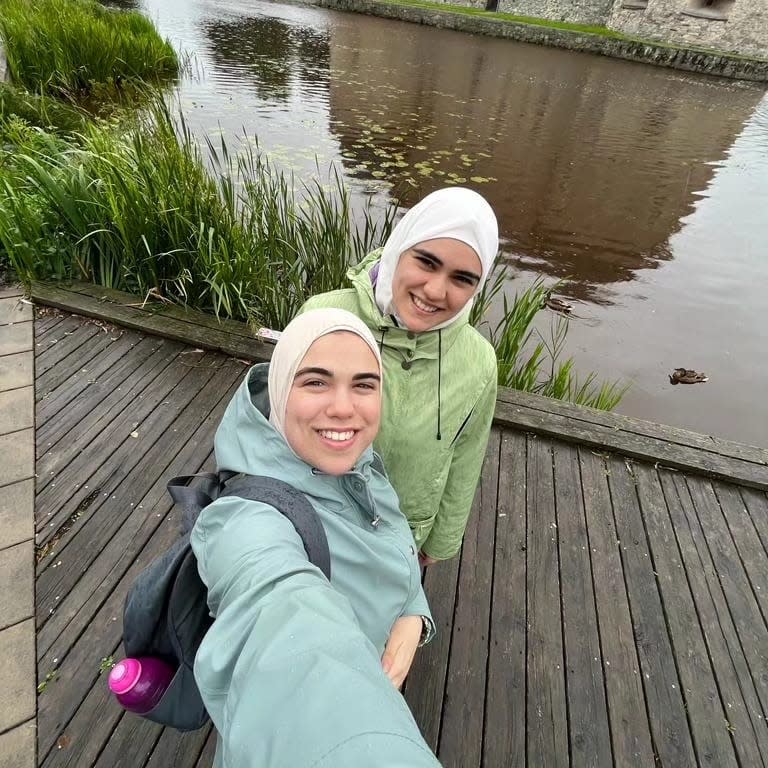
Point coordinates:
[(645, 189)]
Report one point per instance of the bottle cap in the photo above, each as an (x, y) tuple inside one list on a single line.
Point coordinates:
[(124, 675)]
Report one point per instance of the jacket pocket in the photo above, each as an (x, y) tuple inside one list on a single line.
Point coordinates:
[(461, 428)]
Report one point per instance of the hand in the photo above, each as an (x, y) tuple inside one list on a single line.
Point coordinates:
[(401, 648), (425, 560)]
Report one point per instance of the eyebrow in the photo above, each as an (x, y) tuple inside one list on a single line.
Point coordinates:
[(329, 374), (463, 272)]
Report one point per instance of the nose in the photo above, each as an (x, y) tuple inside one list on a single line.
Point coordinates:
[(341, 405), (435, 288)]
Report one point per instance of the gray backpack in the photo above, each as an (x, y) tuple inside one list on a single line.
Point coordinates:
[(166, 611)]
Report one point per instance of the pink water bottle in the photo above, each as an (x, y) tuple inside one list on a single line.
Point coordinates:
[(139, 684)]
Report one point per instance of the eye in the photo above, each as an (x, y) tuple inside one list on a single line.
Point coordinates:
[(313, 383), (465, 280), (367, 385), (425, 261)]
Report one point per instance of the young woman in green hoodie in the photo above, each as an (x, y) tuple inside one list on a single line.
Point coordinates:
[(415, 295)]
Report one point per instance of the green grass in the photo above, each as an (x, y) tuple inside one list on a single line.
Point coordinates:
[(146, 210), (565, 26), (70, 47), (40, 111), (532, 20)]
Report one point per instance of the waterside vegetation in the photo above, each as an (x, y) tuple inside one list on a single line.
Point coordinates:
[(71, 48), (139, 204)]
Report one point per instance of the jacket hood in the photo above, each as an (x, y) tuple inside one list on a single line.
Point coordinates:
[(246, 442)]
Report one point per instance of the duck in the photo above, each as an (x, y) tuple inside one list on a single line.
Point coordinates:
[(558, 305), (687, 376)]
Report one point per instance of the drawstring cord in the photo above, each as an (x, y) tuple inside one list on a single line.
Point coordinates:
[(439, 377), (381, 341)]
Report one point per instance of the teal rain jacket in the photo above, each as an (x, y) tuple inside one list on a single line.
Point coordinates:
[(435, 382), (290, 671)]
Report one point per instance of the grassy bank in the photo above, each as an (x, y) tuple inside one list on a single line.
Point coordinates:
[(70, 48)]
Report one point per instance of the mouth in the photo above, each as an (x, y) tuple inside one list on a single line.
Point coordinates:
[(423, 307), (337, 439)]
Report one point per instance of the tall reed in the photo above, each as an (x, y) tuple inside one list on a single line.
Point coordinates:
[(66, 47)]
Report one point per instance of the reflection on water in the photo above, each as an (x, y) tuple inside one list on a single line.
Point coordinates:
[(624, 180), (268, 54)]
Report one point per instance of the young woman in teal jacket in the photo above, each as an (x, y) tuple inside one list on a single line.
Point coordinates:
[(297, 671), (415, 295)]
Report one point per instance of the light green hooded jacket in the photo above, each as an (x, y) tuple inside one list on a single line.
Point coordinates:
[(437, 382), (290, 671)]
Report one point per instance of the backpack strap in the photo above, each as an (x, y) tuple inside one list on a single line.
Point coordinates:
[(294, 505), (192, 498)]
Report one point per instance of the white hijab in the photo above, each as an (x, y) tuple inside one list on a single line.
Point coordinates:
[(455, 212), (293, 345)]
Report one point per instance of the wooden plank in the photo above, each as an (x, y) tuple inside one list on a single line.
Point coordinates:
[(168, 327), (632, 445), (52, 334), (707, 714), (113, 392), (74, 362), (43, 323), (130, 744), (504, 736), (619, 423), (734, 683), (630, 730), (742, 605), (209, 750), (82, 544), (666, 709), (752, 553), (546, 704), (46, 359), (126, 409), (79, 482), (74, 739), (60, 396), (463, 709), (425, 686), (588, 730), (178, 750), (757, 506), (158, 308)]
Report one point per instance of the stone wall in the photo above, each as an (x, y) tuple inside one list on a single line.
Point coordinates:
[(745, 31), (711, 63), (592, 12)]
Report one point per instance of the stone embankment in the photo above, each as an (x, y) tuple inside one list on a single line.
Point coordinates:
[(687, 59)]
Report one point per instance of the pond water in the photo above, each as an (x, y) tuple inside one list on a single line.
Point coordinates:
[(644, 189)]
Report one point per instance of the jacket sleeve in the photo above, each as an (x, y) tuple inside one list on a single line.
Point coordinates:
[(286, 673), (445, 537)]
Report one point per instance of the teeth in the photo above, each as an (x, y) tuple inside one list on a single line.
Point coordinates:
[(424, 307), (337, 436)]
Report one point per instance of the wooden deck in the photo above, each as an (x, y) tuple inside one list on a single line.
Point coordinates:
[(606, 610)]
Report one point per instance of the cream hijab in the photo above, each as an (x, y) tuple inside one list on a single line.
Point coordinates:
[(294, 343), (454, 212)]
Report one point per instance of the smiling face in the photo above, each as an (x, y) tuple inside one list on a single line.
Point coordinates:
[(433, 282), (334, 406)]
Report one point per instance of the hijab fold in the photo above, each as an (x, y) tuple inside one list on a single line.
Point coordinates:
[(455, 212), (293, 345)]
